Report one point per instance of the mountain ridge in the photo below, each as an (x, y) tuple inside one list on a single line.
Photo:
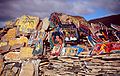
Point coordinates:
[(108, 20)]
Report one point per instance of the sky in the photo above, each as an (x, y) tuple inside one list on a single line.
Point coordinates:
[(89, 9)]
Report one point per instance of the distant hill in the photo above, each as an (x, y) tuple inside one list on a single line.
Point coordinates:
[(114, 19)]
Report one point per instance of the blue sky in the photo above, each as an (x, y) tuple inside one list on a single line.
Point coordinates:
[(98, 14), (89, 9)]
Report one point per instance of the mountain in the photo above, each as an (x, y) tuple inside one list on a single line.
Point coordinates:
[(113, 19)]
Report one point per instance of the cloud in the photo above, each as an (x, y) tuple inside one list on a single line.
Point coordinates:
[(2, 24), (42, 8), (82, 7), (10, 9), (112, 6)]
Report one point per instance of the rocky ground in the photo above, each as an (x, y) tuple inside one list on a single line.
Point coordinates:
[(99, 65)]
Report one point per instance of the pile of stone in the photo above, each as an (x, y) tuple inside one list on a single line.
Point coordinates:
[(25, 47), (100, 65)]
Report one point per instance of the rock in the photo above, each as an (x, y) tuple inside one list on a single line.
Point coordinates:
[(17, 46), (28, 23), (26, 52), (103, 67), (36, 66), (44, 63), (9, 66), (4, 49), (15, 69), (8, 72), (3, 43), (11, 34), (96, 70), (27, 69), (12, 56), (1, 65), (67, 60)]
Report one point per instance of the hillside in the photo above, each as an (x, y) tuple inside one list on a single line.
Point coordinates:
[(114, 19)]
